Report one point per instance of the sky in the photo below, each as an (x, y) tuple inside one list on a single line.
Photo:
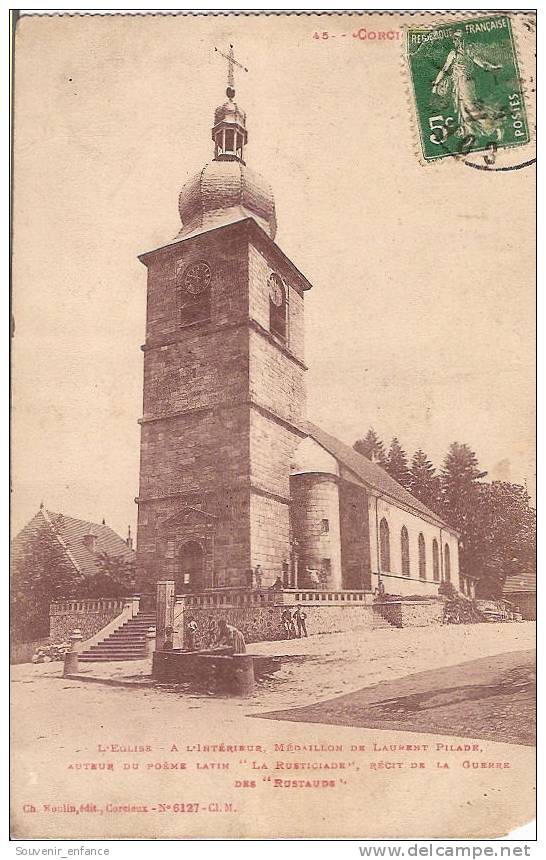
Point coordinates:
[(420, 322)]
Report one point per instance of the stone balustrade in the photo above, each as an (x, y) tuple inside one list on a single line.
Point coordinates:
[(99, 604), (90, 615), (269, 597)]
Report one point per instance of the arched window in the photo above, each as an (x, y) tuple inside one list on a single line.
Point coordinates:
[(384, 545), (435, 561), (404, 545), (447, 564), (422, 558), (277, 306)]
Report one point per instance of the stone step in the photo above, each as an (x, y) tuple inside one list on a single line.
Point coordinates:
[(126, 643), (114, 647), (108, 659), (137, 624), (129, 634), (115, 651)]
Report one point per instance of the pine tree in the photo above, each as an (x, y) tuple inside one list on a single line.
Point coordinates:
[(424, 483), (371, 447), (460, 490), (397, 463)]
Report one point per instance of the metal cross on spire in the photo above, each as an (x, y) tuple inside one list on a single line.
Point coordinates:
[(230, 92)]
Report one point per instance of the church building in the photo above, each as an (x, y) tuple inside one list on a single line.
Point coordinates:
[(232, 474)]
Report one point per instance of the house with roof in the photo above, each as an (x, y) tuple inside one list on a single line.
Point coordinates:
[(82, 543), (57, 556), (521, 590)]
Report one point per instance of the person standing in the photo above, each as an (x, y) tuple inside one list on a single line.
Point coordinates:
[(287, 623), (258, 577), (191, 630), (300, 617)]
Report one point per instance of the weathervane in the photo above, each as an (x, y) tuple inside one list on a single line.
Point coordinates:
[(230, 92)]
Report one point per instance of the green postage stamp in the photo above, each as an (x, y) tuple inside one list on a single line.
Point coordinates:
[(467, 87)]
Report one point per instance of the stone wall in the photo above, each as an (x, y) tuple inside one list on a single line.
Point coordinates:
[(355, 536), (269, 535), (316, 526), (410, 614), (89, 616), (259, 624), (260, 267), (276, 391)]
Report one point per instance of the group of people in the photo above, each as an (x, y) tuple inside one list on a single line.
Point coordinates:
[(254, 578), (225, 635), (293, 623)]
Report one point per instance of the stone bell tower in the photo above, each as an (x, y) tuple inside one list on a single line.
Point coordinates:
[(224, 392)]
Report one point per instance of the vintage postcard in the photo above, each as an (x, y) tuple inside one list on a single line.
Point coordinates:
[(273, 532)]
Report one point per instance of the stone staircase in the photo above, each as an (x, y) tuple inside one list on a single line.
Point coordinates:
[(126, 643)]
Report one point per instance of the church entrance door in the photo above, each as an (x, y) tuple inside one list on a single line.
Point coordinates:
[(191, 576)]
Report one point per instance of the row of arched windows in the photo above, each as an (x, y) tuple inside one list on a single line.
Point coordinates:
[(385, 553)]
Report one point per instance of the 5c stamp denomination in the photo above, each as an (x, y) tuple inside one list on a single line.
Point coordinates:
[(466, 87)]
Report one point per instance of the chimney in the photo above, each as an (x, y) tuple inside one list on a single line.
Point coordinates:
[(129, 540), (90, 541)]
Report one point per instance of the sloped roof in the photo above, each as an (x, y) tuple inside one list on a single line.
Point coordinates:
[(522, 582), (70, 533), (371, 474)]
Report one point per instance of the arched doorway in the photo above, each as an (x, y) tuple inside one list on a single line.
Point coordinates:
[(191, 568)]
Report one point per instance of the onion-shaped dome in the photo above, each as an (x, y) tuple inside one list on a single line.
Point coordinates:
[(230, 112), (224, 191)]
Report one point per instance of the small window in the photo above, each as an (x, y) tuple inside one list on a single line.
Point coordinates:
[(422, 558), (404, 547), (277, 306), (384, 545), (230, 140), (447, 564), (325, 526), (435, 561)]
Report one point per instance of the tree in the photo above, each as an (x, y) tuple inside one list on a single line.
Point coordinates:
[(41, 574), (505, 539), (460, 494), (371, 447), (115, 577), (424, 483), (397, 463)]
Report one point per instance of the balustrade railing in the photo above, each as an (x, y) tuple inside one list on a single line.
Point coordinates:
[(88, 606), (269, 597)]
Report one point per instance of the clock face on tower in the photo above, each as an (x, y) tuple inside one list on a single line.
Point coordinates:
[(276, 289), (197, 278)]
